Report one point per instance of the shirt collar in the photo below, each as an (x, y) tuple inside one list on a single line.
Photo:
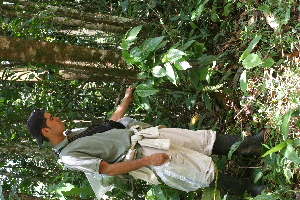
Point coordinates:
[(61, 144)]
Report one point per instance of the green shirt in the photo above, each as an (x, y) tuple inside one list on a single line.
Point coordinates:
[(86, 153)]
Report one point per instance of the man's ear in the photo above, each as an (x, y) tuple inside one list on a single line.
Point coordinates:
[(45, 131)]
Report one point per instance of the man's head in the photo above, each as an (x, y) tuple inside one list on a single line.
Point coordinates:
[(45, 127), (35, 123)]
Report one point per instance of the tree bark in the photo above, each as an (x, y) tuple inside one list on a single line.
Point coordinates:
[(69, 56)]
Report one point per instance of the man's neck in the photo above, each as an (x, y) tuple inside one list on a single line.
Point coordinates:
[(55, 141)]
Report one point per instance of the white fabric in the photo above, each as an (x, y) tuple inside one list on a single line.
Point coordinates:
[(189, 148)]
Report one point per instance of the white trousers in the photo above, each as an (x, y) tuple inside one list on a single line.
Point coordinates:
[(191, 148)]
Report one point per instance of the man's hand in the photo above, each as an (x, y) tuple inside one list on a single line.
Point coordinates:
[(129, 93), (157, 159), (125, 167), (120, 111)]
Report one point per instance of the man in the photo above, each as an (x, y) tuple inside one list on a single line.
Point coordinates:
[(106, 149)]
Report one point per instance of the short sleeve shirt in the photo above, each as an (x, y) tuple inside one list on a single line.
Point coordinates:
[(86, 153)]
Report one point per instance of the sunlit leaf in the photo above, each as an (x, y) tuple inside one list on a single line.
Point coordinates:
[(170, 73), (173, 55), (195, 119), (275, 149), (252, 60), (243, 81), (130, 37), (182, 65), (158, 71)]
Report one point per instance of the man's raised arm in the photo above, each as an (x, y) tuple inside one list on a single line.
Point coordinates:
[(120, 111)]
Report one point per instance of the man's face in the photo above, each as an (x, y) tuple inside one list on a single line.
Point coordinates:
[(54, 124)]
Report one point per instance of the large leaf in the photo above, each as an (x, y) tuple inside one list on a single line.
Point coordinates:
[(132, 34), (138, 55), (243, 81), (151, 44), (250, 47), (289, 152), (130, 37), (252, 60), (144, 90), (284, 128)]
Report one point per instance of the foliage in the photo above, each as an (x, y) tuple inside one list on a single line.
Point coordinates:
[(230, 66)]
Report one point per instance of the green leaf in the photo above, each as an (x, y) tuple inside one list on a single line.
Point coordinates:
[(296, 112), (207, 100), (132, 34), (142, 75), (252, 44), (173, 55), (158, 71), (130, 37), (138, 55), (200, 8), (127, 57), (227, 9), (251, 61), (151, 44), (193, 25), (207, 60), (284, 128), (275, 149), (296, 143), (182, 64), (197, 49), (269, 62), (233, 148), (243, 81), (144, 90), (125, 44), (290, 153), (144, 101), (193, 75), (190, 101), (203, 72), (170, 73)]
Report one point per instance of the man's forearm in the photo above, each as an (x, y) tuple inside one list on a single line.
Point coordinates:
[(125, 167), (121, 110)]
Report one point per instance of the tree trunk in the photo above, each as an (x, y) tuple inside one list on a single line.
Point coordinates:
[(69, 56)]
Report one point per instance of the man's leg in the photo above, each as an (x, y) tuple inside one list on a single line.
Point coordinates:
[(251, 145), (235, 186)]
